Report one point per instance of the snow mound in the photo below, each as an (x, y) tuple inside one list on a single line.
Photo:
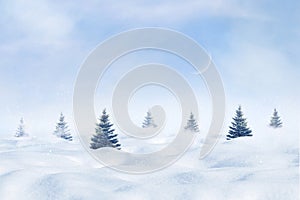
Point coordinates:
[(265, 166)]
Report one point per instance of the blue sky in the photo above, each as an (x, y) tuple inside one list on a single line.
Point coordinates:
[(255, 45)]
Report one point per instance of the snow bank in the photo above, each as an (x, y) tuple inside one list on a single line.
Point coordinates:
[(264, 166)]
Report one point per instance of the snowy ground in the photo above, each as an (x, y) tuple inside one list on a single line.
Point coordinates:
[(256, 168)]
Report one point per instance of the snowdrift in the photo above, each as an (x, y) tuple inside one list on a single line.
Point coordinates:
[(265, 166)]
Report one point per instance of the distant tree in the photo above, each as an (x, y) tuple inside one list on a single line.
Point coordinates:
[(105, 136), (275, 120), (239, 126), (21, 129), (192, 124), (62, 129), (148, 121)]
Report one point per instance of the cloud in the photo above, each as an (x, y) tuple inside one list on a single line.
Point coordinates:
[(172, 11), (257, 68), (35, 22)]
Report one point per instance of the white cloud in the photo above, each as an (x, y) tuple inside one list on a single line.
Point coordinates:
[(258, 67), (38, 22), (170, 11)]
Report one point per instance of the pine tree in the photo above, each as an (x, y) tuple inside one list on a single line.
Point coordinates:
[(275, 120), (105, 136), (21, 129), (192, 124), (62, 129), (148, 121), (239, 126), (100, 139)]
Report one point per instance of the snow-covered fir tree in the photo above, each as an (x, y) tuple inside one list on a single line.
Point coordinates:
[(21, 129), (148, 121), (100, 139), (192, 124), (62, 129), (239, 126), (275, 120), (105, 136)]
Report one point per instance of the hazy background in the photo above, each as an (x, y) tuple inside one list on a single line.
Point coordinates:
[(254, 44)]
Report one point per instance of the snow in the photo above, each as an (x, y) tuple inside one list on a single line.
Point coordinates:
[(265, 166)]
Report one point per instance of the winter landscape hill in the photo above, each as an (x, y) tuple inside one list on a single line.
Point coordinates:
[(265, 166)]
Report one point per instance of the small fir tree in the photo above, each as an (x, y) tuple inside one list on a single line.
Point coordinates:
[(192, 124), (275, 120), (105, 136), (148, 121), (21, 129), (100, 139), (62, 129), (239, 126)]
